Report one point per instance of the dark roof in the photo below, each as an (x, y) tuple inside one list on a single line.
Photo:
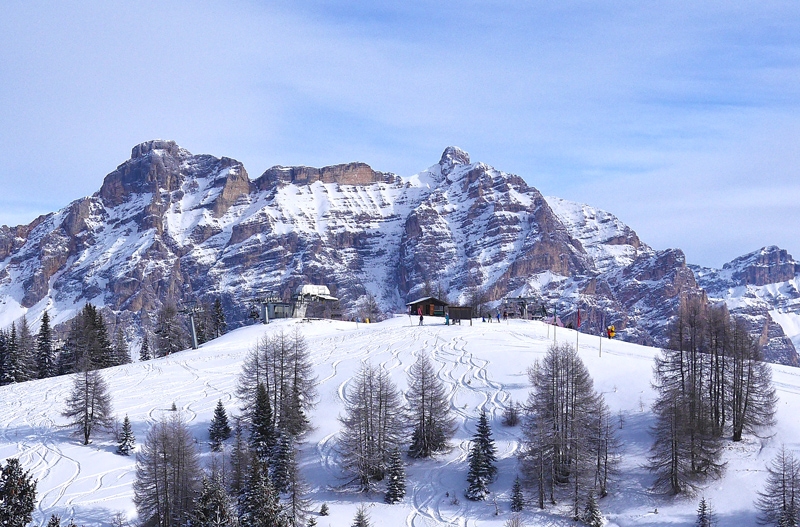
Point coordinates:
[(427, 300)]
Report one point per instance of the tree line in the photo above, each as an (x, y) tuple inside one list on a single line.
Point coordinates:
[(711, 383), (87, 343)]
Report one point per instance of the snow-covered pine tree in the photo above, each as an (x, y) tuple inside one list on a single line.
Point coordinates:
[(396, 478), (54, 521), (11, 363), (126, 440), (591, 514), (705, 517), (26, 351), (263, 437), (89, 404), (122, 354), (312, 522), (214, 507), (219, 430), (483, 436), (362, 518), (259, 505), (282, 463), (144, 351), (477, 478), (45, 355), (430, 413), (517, 498), (218, 326), (324, 510), (240, 459), (17, 495)]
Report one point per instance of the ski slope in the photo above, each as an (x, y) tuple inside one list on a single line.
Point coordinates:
[(484, 367)]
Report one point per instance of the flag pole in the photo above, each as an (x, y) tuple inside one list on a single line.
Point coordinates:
[(603, 328)]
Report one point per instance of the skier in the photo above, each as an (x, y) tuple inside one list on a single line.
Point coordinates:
[(498, 316)]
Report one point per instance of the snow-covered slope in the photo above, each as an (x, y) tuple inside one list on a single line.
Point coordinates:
[(484, 368)]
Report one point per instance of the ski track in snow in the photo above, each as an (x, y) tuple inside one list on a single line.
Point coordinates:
[(433, 503)]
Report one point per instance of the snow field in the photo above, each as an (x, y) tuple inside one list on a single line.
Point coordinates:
[(484, 368)]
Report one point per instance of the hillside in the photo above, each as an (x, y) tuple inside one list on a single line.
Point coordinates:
[(483, 366)]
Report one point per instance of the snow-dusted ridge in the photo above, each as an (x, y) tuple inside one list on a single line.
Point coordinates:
[(483, 367), (170, 226)]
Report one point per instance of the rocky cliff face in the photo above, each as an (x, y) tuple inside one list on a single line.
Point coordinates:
[(762, 288), (168, 225)]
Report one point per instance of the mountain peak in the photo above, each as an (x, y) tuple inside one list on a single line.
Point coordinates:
[(451, 157), (142, 149)]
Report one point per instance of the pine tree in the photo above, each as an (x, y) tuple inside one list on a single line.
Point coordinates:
[(26, 352), (283, 463), (312, 522), (429, 410), (214, 508), (362, 518), (144, 351), (121, 353), (263, 437), (240, 459), (171, 335), (126, 440), (517, 498), (591, 514), (259, 505), (45, 355), (11, 362), (511, 415), (477, 478), (54, 521), (89, 404), (704, 514), (396, 476), (17, 495), (324, 510), (219, 430), (218, 326), (483, 436)]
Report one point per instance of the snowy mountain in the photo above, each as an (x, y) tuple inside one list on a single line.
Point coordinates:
[(483, 367), (762, 287), (170, 226)]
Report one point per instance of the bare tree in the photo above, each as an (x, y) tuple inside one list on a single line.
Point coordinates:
[(430, 414), (779, 503), (89, 404), (168, 474), (282, 363), (563, 439), (372, 426)]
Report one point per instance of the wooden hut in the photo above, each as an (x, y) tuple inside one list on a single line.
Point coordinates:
[(428, 306)]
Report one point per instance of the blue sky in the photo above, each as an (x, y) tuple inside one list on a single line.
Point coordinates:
[(681, 119)]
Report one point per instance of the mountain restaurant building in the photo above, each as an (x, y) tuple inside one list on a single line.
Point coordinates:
[(431, 307)]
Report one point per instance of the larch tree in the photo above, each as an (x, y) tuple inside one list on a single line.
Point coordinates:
[(168, 474), (560, 447), (779, 502), (371, 428), (88, 406), (429, 409)]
